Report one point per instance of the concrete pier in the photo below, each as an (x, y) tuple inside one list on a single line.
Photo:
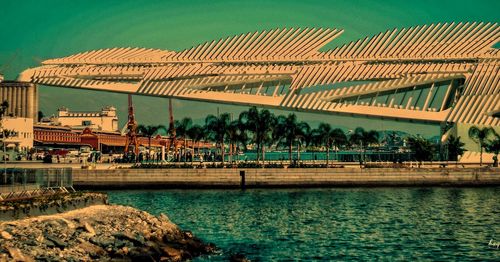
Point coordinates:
[(280, 177)]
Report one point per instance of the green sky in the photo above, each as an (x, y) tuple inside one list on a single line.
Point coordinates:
[(36, 30)]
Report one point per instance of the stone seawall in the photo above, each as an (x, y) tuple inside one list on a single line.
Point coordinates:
[(296, 177)]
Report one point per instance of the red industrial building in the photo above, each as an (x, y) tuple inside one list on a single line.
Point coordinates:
[(65, 137)]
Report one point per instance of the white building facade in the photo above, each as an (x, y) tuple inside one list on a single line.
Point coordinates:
[(105, 120), (21, 137)]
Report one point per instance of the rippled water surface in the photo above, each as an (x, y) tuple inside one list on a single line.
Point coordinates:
[(334, 224)]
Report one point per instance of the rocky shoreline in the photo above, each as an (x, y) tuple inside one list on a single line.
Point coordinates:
[(99, 232)]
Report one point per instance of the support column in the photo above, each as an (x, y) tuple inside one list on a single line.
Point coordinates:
[(19, 100), (446, 96), (428, 99)]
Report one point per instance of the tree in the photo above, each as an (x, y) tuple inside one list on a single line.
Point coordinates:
[(454, 148), (40, 116), (181, 130), (232, 134), (196, 133), (494, 147), (337, 139), (260, 124), (149, 132), (480, 136), (363, 138), (422, 148), (5, 133), (216, 127), (288, 130), (325, 136), (3, 108)]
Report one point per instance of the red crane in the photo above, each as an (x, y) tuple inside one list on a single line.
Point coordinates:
[(171, 125), (131, 129)]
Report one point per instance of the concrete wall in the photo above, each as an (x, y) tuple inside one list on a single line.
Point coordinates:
[(230, 178)]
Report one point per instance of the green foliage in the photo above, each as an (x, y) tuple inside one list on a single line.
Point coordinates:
[(216, 127), (455, 148), (196, 133), (364, 138), (182, 126), (261, 124), (289, 131), (493, 147), (422, 148), (150, 130), (3, 108), (40, 115), (481, 136)]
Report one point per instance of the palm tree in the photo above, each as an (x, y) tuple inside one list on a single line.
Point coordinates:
[(243, 136), (181, 130), (422, 148), (338, 139), (288, 130), (321, 137), (324, 135), (196, 133), (480, 136), (216, 127), (3, 108), (260, 124), (494, 147), (149, 132), (5, 134), (454, 148), (232, 134), (363, 139)]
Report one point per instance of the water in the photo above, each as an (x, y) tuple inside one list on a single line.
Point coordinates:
[(334, 224)]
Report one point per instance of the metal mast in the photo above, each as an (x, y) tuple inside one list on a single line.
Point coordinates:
[(131, 129), (171, 125)]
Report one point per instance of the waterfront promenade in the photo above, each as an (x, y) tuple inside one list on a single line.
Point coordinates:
[(109, 176), (284, 177)]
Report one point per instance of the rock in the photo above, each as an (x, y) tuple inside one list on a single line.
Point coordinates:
[(17, 255), (102, 241), (172, 253), (141, 254), (48, 243), (89, 228), (91, 249), (188, 234), (40, 238), (163, 217), (6, 235), (102, 233), (137, 239), (57, 241), (238, 258), (68, 223)]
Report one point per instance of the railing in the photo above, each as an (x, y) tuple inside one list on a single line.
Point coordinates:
[(16, 183)]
